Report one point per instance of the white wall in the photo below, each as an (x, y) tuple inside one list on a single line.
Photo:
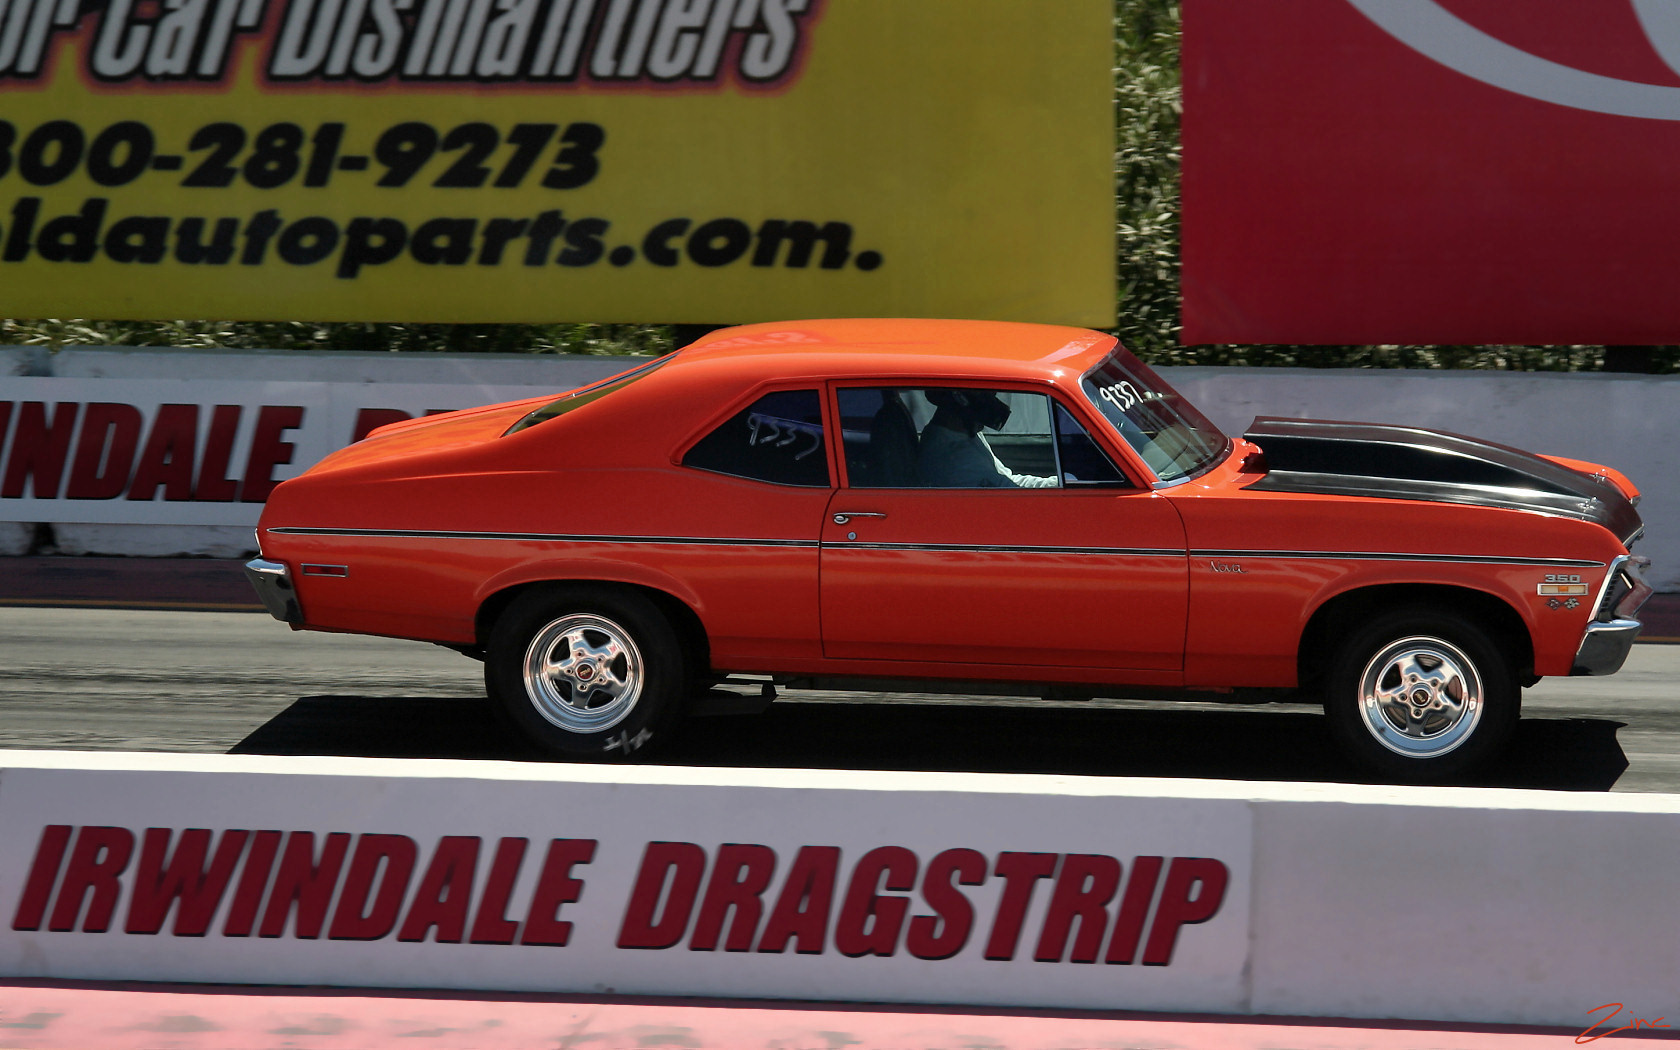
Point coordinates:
[(1431, 904)]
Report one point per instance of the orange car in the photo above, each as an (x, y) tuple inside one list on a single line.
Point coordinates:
[(912, 504)]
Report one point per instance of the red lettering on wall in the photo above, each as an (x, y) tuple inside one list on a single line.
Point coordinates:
[(167, 459), (491, 925), (104, 451), (383, 860), (43, 870), (99, 856), (39, 448), (248, 897), (370, 419), (158, 883), (677, 865), (213, 485), (742, 872), (1084, 887), (303, 881), (1194, 889), (556, 886), (802, 908), (1020, 873), (268, 450), (445, 892), (945, 932), (1134, 909), (869, 922)]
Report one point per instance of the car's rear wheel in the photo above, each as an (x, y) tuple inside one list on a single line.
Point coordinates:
[(587, 672), (1421, 695)]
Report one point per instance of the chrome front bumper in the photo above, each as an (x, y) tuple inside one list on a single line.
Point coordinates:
[(273, 583), (1604, 648)]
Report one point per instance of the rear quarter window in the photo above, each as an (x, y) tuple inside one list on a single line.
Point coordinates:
[(778, 439)]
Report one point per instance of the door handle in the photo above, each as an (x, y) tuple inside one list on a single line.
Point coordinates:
[(844, 516)]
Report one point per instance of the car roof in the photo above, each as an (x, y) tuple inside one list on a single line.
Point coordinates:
[(859, 347)]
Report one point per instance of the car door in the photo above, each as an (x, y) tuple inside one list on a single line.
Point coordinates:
[(1030, 564)]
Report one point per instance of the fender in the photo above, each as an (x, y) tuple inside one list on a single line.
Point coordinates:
[(590, 570)]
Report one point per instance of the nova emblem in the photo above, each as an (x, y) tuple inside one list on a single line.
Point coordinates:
[(1228, 566)]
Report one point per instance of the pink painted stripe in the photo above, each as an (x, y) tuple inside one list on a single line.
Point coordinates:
[(145, 1017)]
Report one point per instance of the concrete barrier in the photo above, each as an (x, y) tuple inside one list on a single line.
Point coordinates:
[(1455, 905), (1628, 422)]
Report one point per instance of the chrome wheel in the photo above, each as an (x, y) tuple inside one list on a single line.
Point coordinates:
[(1420, 697), (583, 673)]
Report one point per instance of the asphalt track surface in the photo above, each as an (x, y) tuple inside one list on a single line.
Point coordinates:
[(221, 682)]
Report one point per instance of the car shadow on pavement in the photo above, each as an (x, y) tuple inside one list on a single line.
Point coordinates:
[(1252, 744)]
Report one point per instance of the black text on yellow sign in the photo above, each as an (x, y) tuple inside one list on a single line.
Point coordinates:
[(470, 160)]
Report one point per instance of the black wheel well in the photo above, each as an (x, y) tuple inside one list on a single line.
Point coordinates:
[(1337, 618), (684, 620)]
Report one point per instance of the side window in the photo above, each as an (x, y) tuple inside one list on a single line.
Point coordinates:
[(879, 429), (778, 438), (1083, 460), (947, 437)]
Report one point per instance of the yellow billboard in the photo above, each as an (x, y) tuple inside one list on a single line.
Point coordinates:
[(701, 161)]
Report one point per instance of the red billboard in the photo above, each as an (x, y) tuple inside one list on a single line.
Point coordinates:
[(1432, 171)]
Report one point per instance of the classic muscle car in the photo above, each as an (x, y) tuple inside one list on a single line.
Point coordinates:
[(912, 504)]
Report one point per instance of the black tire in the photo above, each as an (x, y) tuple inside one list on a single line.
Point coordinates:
[(1421, 695), (615, 673)]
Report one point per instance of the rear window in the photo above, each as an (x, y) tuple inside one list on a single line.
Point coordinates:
[(576, 399)]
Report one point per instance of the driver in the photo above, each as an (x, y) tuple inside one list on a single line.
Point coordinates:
[(954, 454)]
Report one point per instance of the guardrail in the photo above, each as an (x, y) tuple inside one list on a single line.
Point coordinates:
[(1453, 905)]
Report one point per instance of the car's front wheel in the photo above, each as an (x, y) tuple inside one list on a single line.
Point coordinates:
[(587, 672), (1421, 695)]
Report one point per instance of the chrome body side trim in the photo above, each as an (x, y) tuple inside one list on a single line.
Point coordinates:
[(986, 548), (725, 541), (1470, 559), (273, 584), (537, 537)]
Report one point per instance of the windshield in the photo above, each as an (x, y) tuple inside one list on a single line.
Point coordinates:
[(584, 395), (1176, 441)]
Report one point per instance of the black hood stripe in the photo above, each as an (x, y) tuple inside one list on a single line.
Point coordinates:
[(1393, 462)]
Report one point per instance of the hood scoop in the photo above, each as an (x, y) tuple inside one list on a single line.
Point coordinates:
[(1395, 462)]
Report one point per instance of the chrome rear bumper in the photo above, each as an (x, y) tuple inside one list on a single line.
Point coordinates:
[(273, 583)]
